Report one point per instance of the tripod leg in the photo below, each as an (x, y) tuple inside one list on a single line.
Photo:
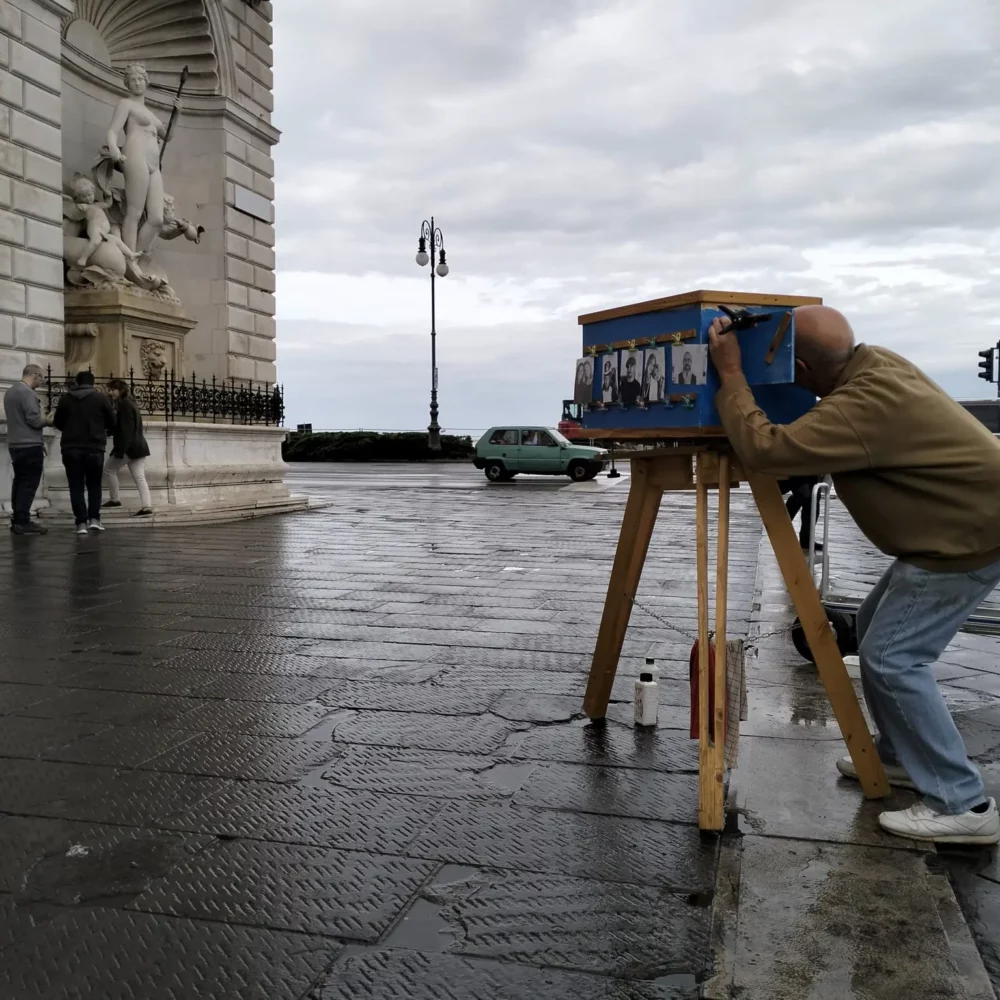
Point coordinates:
[(829, 664)]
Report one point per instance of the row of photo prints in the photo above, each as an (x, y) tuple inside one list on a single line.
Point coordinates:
[(632, 378)]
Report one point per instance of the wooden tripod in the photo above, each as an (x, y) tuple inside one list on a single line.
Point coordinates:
[(699, 468)]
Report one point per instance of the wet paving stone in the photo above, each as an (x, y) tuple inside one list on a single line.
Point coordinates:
[(237, 755), (612, 791), (20, 698), (116, 708), (428, 698), (466, 734), (98, 794), (425, 773), (244, 745), (66, 862), (335, 893), (266, 687), (629, 931), (120, 746), (670, 855), (262, 718), (31, 738), (144, 679), (611, 745), (416, 976), (354, 820), (108, 954), (522, 706)]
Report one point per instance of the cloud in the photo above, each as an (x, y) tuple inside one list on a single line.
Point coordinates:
[(583, 153)]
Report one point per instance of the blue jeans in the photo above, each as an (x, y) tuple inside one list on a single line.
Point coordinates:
[(904, 625)]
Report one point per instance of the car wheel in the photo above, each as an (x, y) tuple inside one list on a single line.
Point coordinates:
[(592, 474), (508, 476), (577, 471), (495, 472)]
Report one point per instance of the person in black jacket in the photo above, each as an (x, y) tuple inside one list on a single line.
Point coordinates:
[(128, 447), (800, 500), (85, 418)]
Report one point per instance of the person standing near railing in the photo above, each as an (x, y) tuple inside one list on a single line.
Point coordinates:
[(128, 447), (25, 425), (85, 418)]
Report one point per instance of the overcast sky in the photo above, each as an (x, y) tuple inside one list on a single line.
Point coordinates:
[(587, 153)]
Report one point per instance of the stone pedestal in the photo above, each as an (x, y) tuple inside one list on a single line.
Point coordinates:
[(197, 473), (117, 329)]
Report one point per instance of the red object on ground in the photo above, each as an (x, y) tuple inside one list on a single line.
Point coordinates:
[(695, 728)]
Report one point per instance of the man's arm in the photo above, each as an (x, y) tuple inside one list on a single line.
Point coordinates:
[(823, 441), (31, 412), (820, 442)]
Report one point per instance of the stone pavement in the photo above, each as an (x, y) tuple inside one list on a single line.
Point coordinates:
[(815, 902), (969, 674), (340, 754)]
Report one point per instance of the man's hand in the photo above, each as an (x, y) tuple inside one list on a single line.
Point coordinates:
[(724, 348)]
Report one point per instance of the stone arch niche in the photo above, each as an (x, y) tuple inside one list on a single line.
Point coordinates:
[(166, 36), (99, 41)]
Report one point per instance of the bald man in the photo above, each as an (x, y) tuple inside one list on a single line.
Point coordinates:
[(921, 477)]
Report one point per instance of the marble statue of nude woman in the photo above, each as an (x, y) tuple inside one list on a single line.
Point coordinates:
[(138, 157)]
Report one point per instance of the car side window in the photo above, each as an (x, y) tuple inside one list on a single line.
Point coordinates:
[(545, 440), (529, 437), (504, 437)]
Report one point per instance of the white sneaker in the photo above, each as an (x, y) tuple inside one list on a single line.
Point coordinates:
[(95, 526), (894, 772), (919, 822), (81, 529)]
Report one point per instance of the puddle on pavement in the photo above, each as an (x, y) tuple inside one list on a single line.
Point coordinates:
[(507, 776), (107, 874), (682, 980), (324, 730), (424, 928)]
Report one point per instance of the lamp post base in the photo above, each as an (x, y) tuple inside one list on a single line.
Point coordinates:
[(434, 437)]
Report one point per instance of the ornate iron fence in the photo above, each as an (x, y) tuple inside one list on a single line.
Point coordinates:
[(218, 401)]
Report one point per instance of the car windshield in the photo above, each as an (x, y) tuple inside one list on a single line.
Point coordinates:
[(559, 437)]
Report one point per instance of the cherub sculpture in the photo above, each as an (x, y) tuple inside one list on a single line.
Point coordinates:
[(94, 215), (172, 227)]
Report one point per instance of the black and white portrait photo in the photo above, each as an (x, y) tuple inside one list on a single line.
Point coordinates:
[(655, 375), (609, 379), (630, 380), (583, 387), (690, 364)]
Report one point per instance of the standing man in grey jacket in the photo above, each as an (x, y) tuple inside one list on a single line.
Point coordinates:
[(25, 424)]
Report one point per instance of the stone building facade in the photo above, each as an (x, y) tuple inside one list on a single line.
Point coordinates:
[(61, 74)]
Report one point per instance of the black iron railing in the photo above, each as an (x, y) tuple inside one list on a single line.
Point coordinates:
[(218, 401)]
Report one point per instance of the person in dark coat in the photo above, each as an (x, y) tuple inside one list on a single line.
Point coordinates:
[(800, 490), (128, 447), (85, 418)]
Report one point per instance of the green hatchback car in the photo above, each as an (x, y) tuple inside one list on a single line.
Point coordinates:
[(503, 452)]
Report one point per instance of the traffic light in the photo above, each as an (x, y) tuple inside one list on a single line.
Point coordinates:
[(986, 365)]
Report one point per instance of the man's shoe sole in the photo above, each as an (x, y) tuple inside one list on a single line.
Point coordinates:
[(896, 783), (984, 841)]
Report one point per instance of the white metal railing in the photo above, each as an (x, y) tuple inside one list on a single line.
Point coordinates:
[(821, 489)]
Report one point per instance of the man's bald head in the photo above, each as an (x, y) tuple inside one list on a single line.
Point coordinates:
[(824, 343)]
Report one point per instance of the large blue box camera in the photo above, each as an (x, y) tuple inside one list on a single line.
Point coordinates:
[(645, 367)]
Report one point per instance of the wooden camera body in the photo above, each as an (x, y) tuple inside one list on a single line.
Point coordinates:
[(645, 370)]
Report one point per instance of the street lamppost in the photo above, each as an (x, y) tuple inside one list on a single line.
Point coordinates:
[(431, 240)]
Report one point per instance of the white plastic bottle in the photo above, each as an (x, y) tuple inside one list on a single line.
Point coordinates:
[(647, 700)]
